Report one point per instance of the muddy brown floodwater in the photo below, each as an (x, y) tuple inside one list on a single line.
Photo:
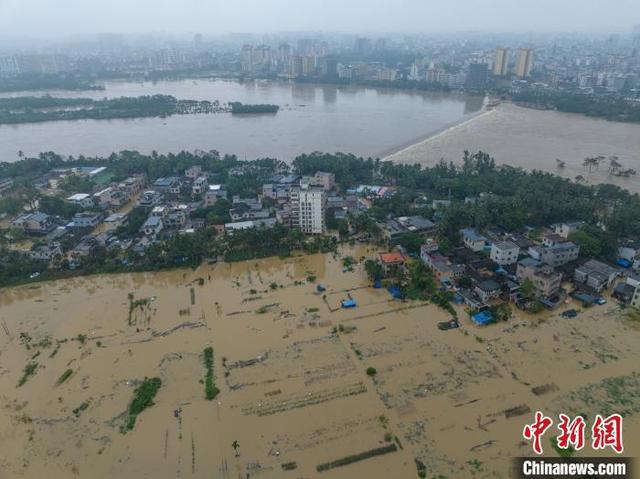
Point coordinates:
[(291, 390)]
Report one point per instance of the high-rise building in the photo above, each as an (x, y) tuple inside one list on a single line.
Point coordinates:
[(296, 66), (310, 208), (501, 62), (525, 62)]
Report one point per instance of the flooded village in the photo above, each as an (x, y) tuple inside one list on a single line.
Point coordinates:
[(379, 343)]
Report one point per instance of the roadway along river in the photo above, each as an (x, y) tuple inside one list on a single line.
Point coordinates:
[(363, 121)]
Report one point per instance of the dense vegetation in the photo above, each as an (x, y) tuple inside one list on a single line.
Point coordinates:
[(210, 389), (47, 108), (143, 398), (357, 457), (237, 107), (609, 107)]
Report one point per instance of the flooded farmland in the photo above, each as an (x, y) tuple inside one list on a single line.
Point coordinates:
[(291, 365)]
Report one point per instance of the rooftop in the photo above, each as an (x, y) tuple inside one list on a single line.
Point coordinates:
[(392, 258)]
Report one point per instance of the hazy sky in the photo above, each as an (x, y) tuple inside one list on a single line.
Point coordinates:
[(64, 17)]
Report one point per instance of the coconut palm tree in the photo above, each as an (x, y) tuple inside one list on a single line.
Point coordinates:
[(591, 162), (236, 447), (560, 164), (614, 164)]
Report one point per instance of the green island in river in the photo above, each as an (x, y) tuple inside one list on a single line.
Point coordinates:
[(32, 109)]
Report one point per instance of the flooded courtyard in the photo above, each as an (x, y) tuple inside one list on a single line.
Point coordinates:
[(291, 366)]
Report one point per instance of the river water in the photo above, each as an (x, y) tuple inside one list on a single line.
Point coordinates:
[(364, 121)]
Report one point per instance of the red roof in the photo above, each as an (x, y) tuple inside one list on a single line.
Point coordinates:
[(392, 258)]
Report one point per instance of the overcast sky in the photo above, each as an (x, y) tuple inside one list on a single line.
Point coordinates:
[(63, 17)]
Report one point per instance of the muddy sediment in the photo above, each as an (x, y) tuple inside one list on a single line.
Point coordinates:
[(293, 385)]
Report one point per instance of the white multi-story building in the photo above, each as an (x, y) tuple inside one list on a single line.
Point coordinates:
[(504, 252), (311, 208)]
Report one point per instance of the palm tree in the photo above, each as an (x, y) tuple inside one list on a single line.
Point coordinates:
[(20, 154), (236, 446), (614, 164), (590, 162), (560, 163)]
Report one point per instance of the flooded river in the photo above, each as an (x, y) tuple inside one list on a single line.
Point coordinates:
[(364, 121)]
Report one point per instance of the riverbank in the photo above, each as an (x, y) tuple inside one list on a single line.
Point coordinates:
[(293, 390), (535, 140)]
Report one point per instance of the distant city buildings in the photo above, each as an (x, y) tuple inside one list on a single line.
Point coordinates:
[(524, 63), (501, 62)]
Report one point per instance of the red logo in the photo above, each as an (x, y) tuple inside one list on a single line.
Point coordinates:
[(605, 432)]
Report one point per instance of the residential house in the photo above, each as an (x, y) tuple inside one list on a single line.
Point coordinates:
[(152, 226), (392, 263), (114, 221), (473, 240), (595, 274), (546, 281), (629, 250), (244, 211), (85, 220), (443, 269), (565, 229), (84, 200), (326, 180), (132, 185), (504, 252), (559, 253), (243, 225), (169, 185), (200, 185), (47, 252), (487, 290), (173, 217), (394, 229), (213, 194), (85, 247), (193, 172), (149, 199), (624, 292), (36, 223)]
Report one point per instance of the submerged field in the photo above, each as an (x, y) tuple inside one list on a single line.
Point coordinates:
[(291, 369)]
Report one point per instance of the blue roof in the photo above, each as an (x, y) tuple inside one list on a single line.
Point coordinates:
[(482, 318), (349, 303)]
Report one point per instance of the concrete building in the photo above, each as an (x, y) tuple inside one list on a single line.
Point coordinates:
[(560, 253), (524, 63), (36, 223), (504, 252), (311, 209), (595, 274), (86, 220), (473, 240), (326, 180), (152, 226), (546, 281), (501, 62), (84, 200), (565, 229), (213, 194), (200, 185)]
